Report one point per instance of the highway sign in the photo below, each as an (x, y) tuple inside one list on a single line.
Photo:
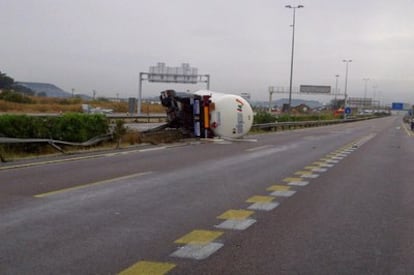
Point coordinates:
[(397, 106), (312, 89)]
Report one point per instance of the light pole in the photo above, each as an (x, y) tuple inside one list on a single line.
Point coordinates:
[(293, 50), (365, 92), (336, 89), (346, 83), (374, 88)]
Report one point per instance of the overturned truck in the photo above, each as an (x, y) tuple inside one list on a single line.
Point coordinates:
[(208, 114)]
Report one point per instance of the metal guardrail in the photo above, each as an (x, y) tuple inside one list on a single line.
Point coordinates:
[(265, 126), (135, 116), (303, 124), (92, 141), (54, 143), (111, 115)]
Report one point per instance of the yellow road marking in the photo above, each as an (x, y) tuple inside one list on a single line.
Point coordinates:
[(199, 237), (326, 159), (278, 188), (319, 163), (235, 215), (303, 173), (90, 184), (292, 179), (312, 167), (148, 268), (261, 199)]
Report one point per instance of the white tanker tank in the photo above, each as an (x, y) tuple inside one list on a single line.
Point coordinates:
[(207, 114), (231, 115)]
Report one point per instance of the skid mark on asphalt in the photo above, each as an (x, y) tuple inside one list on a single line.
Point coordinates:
[(200, 244)]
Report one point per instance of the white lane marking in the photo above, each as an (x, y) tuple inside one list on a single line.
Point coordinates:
[(152, 149), (319, 170), (236, 224), (57, 161), (299, 183), (408, 131), (197, 251), (283, 193), (327, 165), (259, 148), (264, 206), (242, 139), (310, 176), (337, 158)]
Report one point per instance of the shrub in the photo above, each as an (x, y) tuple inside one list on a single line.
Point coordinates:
[(263, 117), (72, 127), (12, 96), (78, 127)]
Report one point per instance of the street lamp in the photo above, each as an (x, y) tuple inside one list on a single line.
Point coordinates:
[(293, 49), (336, 90), (346, 83), (365, 92)]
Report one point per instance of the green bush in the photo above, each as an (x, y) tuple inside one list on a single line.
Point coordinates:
[(312, 117), (74, 127), (12, 96), (263, 117)]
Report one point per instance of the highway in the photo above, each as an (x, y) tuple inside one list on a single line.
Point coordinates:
[(329, 200)]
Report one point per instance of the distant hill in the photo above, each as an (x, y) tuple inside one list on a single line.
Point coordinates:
[(45, 89)]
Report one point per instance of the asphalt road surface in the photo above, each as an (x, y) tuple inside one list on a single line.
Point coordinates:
[(328, 200)]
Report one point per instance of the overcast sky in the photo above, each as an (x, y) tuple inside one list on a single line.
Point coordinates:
[(245, 45)]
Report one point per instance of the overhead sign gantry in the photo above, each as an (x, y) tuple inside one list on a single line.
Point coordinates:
[(164, 74)]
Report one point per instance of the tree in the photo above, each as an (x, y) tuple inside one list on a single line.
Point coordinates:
[(5, 81), (338, 103), (118, 132)]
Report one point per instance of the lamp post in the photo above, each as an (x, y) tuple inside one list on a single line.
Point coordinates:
[(293, 49), (346, 83), (336, 90), (365, 92), (374, 88)]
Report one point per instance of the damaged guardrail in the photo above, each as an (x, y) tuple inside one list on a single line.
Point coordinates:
[(54, 143)]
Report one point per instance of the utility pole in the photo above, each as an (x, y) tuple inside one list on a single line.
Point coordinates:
[(293, 50), (346, 84)]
